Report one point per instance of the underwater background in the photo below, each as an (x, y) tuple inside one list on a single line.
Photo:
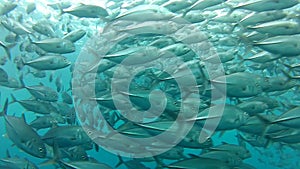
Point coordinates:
[(257, 54)]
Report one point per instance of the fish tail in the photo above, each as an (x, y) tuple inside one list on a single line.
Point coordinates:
[(55, 159), (13, 99), (121, 161), (7, 49), (4, 111), (21, 79), (61, 11), (289, 76)]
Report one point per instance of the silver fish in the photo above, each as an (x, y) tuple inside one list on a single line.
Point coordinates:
[(75, 35), (86, 11), (43, 92), (7, 6), (56, 45), (23, 135), (276, 28), (66, 136), (266, 5), (261, 17), (49, 62)]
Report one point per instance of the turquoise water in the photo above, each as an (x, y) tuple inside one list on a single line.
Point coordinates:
[(220, 36)]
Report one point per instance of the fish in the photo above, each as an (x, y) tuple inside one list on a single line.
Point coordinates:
[(16, 163), (139, 55), (15, 27), (22, 135), (13, 83), (66, 136), (265, 5), (48, 62), (144, 13), (199, 163), (154, 27), (37, 106), (239, 84), (30, 7), (203, 4), (66, 98), (253, 107), (238, 150), (44, 28), (3, 75), (289, 118), (176, 5), (194, 17), (231, 118), (42, 92), (47, 121), (228, 158), (276, 28), (263, 57), (278, 44), (7, 48), (84, 165), (7, 7), (75, 35), (255, 18), (86, 11), (55, 45), (254, 125)]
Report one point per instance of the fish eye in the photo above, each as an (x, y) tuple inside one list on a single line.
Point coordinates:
[(41, 149)]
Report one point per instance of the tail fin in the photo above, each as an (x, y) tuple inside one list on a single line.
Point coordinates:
[(4, 111), (55, 159), (289, 76), (14, 100), (7, 48), (120, 161)]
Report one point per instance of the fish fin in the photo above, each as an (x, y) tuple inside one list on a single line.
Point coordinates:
[(8, 154), (23, 117), (221, 135), (96, 147), (55, 159), (21, 79), (241, 140), (284, 119), (266, 121), (193, 155), (289, 76), (4, 111), (13, 99), (61, 10), (121, 161), (7, 48)]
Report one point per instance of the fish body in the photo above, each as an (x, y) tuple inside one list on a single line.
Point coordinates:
[(56, 45), (75, 35), (255, 18), (7, 7), (44, 28), (49, 62), (23, 136), (276, 28), (66, 136), (43, 92), (266, 5), (86, 11)]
